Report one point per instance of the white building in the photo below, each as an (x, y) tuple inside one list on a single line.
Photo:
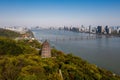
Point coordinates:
[(90, 29), (118, 30), (109, 30), (21, 30)]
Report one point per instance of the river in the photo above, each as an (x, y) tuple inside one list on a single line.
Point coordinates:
[(102, 51)]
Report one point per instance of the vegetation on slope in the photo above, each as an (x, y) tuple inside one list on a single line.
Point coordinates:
[(32, 43), (33, 67), (11, 47), (30, 33), (20, 60), (21, 46), (9, 33)]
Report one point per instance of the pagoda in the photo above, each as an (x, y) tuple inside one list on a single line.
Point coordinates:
[(46, 50)]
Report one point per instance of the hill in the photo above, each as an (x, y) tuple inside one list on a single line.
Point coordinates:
[(33, 67), (11, 47), (9, 33), (20, 60)]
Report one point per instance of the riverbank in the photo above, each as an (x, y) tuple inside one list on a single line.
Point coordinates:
[(31, 66), (95, 51)]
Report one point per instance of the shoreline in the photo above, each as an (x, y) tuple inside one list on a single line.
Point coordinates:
[(87, 53)]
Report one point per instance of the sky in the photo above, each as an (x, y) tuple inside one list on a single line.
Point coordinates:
[(59, 12)]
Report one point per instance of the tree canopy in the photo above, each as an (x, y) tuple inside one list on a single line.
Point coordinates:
[(9, 33), (20, 60)]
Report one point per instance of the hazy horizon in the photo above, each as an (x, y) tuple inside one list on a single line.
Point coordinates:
[(59, 12)]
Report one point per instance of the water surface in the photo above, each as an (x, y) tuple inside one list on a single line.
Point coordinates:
[(104, 52)]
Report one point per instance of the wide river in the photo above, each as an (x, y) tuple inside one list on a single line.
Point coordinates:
[(100, 50)]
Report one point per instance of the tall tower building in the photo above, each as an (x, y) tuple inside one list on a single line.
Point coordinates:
[(90, 29), (46, 50), (107, 29), (100, 29)]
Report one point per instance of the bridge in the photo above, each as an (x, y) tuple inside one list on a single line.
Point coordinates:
[(76, 38)]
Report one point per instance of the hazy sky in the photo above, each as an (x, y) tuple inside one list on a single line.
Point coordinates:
[(59, 12)]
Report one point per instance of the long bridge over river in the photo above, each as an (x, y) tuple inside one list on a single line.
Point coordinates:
[(74, 38)]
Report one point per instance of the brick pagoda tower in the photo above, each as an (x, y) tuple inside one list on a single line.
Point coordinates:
[(46, 50)]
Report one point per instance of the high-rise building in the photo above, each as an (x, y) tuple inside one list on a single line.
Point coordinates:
[(118, 30), (100, 29), (46, 50), (106, 29), (90, 29), (109, 30)]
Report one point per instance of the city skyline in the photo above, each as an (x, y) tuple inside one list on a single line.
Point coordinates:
[(59, 12)]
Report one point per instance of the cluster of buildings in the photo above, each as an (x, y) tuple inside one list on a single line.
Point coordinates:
[(103, 30), (21, 30), (90, 29)]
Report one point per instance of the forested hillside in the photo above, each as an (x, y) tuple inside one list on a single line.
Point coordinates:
[(21, 60), (33, 67), (11, 47), (9, 33)]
